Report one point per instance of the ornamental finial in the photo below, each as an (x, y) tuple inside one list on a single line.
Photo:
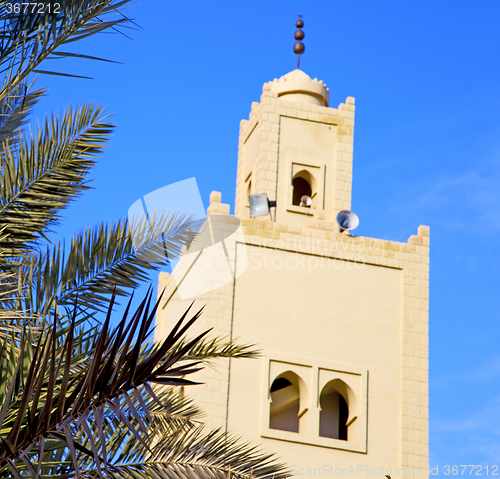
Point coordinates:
[(299, 47)]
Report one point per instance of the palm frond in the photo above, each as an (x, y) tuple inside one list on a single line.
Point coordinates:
[(14, 111), (46, 173), (29, 36), (170, 409), (76, 398), (104, 260), (170, 449), (216, 348), (12, 318), (56, 395), (196, 454)]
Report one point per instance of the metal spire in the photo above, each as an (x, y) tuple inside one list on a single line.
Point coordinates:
[(299, 47)]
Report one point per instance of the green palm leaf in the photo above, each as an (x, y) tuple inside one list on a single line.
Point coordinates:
[(46, 172), (27, 38), (104, 260), (62, 402), (14, 111), (193, 453), (76, 398), (56, 390)]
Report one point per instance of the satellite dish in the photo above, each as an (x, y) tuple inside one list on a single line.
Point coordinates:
[(305, 201), (347, 220)]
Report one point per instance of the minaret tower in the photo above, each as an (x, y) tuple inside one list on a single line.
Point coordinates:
[(293, 145), (341, 387)]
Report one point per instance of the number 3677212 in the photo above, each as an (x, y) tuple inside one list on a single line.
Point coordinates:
[(32, 7)]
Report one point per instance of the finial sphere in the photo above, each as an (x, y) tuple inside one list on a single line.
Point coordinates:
[(299, 23), (299, 48), (299, 35)]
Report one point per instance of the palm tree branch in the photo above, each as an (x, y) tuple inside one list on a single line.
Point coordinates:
[(32, 413), (48, 171), (35, 37), (14, 110), (103, 260), (196, 453)]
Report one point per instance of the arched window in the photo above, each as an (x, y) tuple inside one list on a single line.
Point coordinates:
[(303, 184), (285, 403), (334, 410), (300, 188)]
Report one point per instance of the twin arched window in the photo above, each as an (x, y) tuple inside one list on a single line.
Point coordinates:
[(286, 410)]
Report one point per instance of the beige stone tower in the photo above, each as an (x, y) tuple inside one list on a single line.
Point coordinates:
[(341, 387), (294, 143)]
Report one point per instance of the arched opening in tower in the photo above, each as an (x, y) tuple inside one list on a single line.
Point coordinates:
[(333, 415), (301, 186), (285, 403)]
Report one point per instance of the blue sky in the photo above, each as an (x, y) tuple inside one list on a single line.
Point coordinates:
[(425, 76)]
